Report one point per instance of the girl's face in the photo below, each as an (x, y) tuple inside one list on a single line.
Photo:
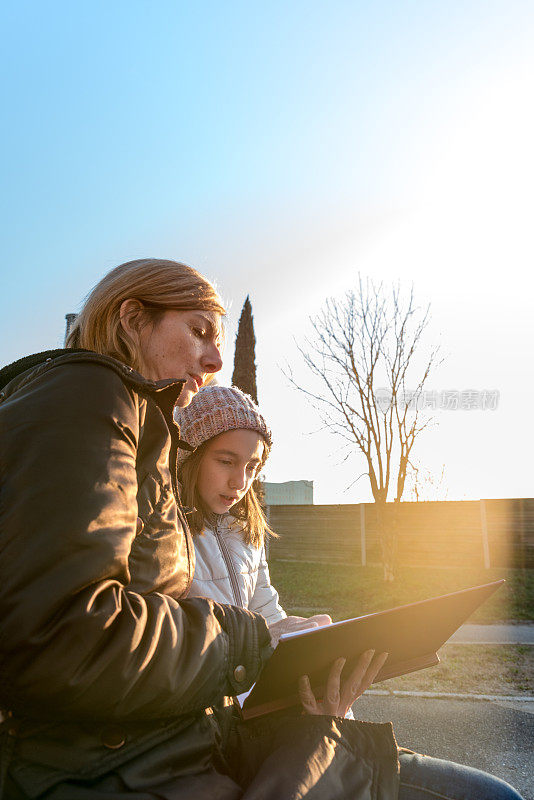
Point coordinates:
[(228, 467)]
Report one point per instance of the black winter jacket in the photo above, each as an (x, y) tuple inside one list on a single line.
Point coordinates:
[(105, 667)]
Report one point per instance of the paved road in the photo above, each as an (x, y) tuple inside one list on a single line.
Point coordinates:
[(497, 737), (520, 633)]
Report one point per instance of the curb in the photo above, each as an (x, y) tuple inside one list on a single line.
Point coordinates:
[(456, 643), (452, 695)]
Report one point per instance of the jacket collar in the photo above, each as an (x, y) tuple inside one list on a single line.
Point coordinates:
[(17, 374), (225, 523)]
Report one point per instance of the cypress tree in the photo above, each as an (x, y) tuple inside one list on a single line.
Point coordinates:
[(244, 375)]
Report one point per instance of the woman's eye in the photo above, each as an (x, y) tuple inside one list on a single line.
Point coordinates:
[(225, 462), (200, 333)]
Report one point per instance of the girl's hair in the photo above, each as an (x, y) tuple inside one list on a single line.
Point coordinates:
[(248, 510), (159, 285)]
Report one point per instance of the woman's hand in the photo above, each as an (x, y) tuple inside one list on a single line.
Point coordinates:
[(338, 698), (291, 624)]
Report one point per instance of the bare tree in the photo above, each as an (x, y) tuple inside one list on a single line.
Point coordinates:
[(365, 351), (427, 485)]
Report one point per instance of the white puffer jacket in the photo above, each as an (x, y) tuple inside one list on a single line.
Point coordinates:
[(229, 571)]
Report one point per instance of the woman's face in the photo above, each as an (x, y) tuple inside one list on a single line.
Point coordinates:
[(228, 467), (184, 345)]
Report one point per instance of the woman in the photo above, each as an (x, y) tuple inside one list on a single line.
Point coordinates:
[(111, 683)]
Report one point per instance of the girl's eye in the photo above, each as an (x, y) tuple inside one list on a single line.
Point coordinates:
[(225, 462), (200, 333)]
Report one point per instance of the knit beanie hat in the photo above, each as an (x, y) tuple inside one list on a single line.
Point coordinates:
[(217, 409)]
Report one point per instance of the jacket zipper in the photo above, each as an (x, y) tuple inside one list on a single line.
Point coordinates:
[(229, 566), (173, 468)]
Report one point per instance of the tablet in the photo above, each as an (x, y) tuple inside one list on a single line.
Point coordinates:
[(411, 634)]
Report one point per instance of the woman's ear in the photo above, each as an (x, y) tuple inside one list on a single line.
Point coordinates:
[(130, 315)]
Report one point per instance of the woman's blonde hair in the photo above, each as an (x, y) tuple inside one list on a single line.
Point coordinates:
[(159, 285), (248, 510)]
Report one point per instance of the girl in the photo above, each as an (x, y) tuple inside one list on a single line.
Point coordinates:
[(231, 444)]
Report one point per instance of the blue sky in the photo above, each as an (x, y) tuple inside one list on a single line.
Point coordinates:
[(280, 148)]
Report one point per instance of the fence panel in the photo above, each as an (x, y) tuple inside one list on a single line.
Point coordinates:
[(448, 533)]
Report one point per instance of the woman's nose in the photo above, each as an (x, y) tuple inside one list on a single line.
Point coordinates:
[(211, 360)]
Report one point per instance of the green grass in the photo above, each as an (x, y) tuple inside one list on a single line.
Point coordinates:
[(474, 669), (345, 591)]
